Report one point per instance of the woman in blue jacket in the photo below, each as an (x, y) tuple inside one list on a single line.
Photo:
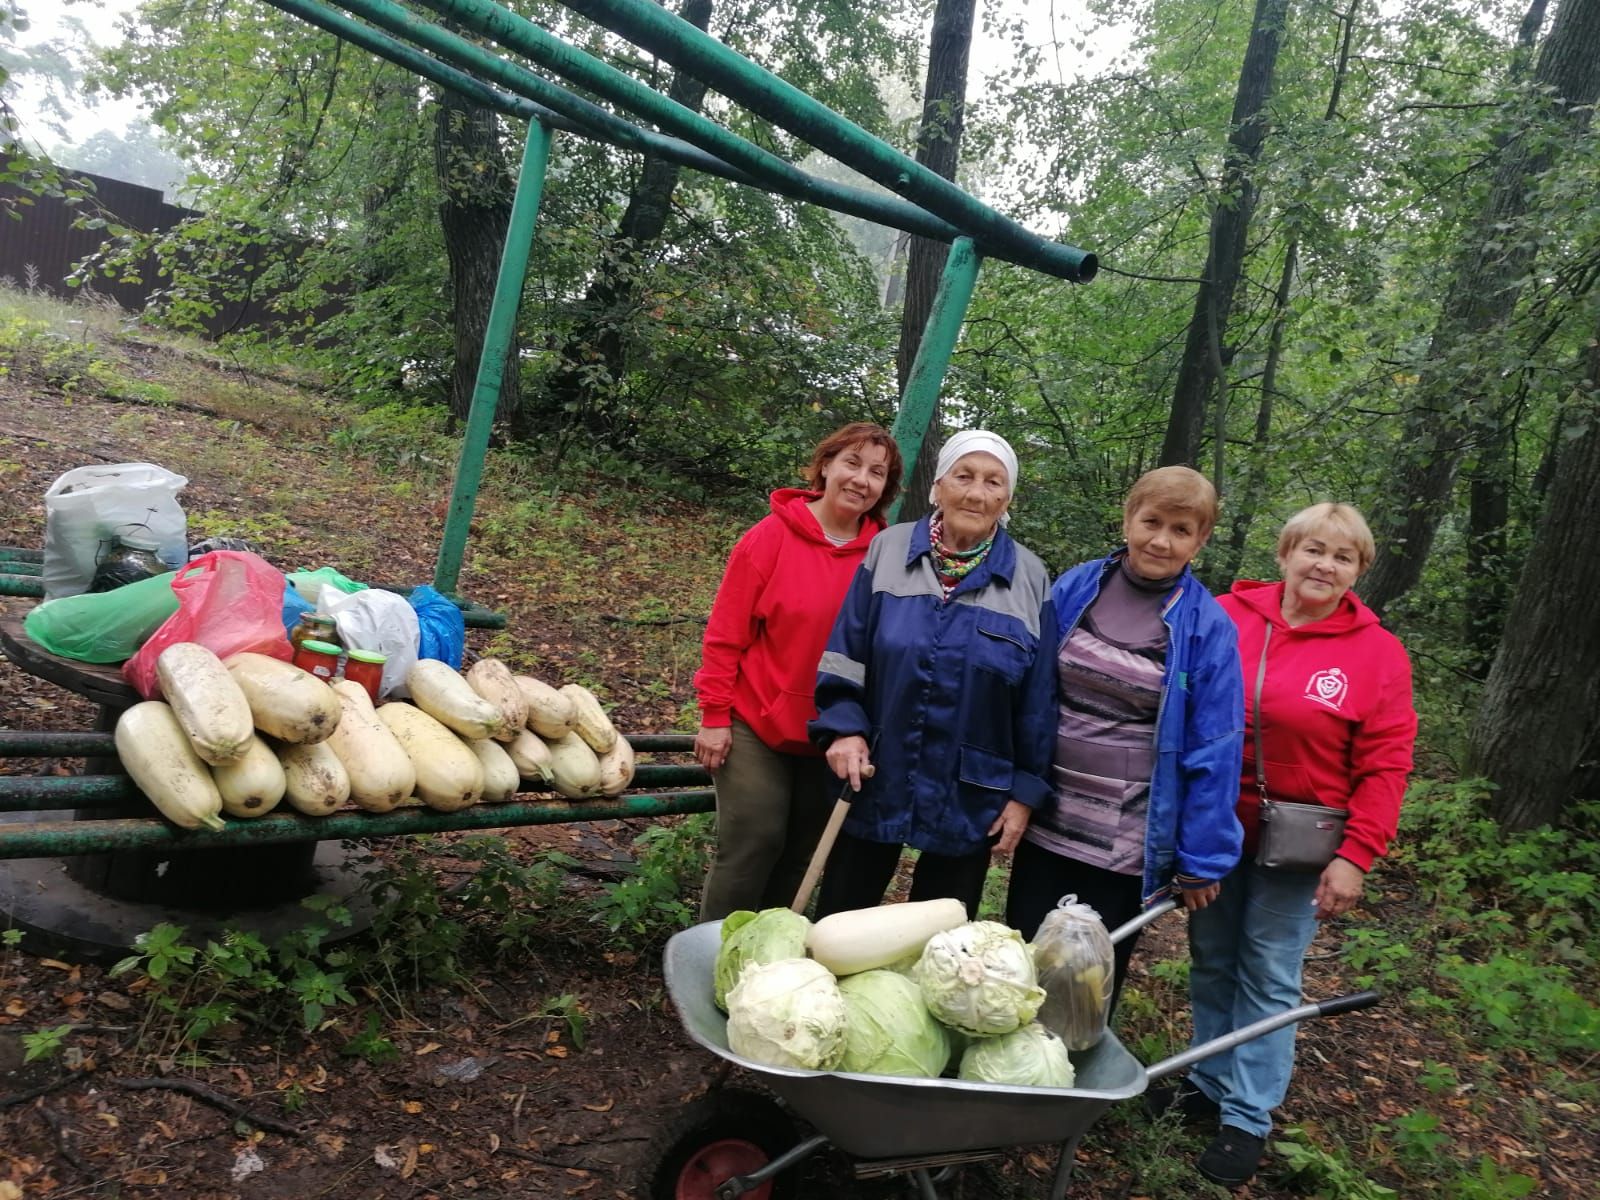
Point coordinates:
[(934, 673), (1149, 727)]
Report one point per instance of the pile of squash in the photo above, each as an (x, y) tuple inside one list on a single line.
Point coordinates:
[(241, 736)]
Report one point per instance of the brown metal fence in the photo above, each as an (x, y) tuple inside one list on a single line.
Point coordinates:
[(40, 246)]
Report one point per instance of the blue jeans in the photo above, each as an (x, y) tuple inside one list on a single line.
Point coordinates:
[(1246, 948)]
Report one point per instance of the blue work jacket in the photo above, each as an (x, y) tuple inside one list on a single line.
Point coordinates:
[(1190, 826), (956, 697)]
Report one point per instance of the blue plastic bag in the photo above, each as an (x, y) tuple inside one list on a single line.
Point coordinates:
[(444, 629), (293, 605)]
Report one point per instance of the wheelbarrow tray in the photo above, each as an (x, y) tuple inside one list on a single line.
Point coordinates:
[(884, 1116)]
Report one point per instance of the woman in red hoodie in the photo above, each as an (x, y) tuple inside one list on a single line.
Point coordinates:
[(770, 622), (1333, 714)]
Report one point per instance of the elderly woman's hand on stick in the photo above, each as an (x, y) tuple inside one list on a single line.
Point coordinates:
[(1010, 825), (849, 759)]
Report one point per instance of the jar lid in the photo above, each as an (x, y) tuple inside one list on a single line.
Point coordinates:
[(319, 647), (312, 618), (134, 541), (368, 656)]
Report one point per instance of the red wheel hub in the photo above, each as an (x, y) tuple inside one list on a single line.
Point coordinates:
[(718, 1162)]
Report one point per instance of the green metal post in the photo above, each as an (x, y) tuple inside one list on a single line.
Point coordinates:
[(496, 342), (938, 343)]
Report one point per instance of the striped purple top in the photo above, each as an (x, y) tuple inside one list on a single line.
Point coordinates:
[(1110, 670)]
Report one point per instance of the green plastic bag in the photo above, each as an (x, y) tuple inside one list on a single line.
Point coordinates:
[(103, 627), (310, 583)]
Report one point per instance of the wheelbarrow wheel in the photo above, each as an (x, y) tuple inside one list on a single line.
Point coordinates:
[(720, 1136)]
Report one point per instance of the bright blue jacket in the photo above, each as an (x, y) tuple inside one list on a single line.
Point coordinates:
[(957, 697), (1190, 826)]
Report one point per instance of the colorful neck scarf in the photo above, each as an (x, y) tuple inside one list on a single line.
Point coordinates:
[(954, 565)]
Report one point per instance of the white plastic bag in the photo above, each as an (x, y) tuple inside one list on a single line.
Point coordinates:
[(374, 619), (1073, 957), (88, 508)]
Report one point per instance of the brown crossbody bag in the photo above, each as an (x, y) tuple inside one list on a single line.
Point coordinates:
[(1294, 837)]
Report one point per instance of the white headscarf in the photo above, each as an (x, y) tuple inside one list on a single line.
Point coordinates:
[(970, 441)]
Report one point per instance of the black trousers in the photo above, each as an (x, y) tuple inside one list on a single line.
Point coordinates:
[(859, 872), (1039, 878)]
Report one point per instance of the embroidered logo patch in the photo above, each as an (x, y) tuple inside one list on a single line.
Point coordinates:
[(1328, 687)]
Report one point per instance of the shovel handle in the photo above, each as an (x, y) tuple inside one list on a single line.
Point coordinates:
[(830, 834)]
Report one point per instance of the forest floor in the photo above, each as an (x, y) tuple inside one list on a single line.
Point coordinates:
[(555, 1066)]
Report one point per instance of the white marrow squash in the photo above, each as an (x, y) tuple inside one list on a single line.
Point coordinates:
[(500, 777), (574, 769), (381, 774), (315, 781), (589, 720), (157, 754), (550, 713), (616, 768), (439, 690), (206, 701), (253, 784), (531, 756), (286, 702), (449, 775), (493, 680), (862, 939)]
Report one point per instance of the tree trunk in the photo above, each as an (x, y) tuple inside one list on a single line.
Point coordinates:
[(1488, 582), (593, 356), (1203, 353), (1452, 409), (938, 149), (1538, 717), (475, 192)]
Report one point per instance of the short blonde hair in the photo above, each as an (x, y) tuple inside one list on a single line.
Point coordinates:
[(1321, 519), (1169, 489)]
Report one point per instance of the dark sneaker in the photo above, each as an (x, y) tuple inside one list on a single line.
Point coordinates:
[(1182, 1097), (1232, 1157)]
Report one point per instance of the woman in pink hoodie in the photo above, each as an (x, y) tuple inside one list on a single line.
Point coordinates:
[(782, 589), (1327, 697)]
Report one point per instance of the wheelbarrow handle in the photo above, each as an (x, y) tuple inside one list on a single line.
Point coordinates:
[(1320, 1008), (1129, 928)]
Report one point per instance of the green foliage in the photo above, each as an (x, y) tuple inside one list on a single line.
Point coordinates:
[(651, 902), (44, 1044), (1326, 1173), (370, 1044)]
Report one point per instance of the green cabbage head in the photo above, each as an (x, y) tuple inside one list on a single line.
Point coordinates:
[(788, 1014), (1028, 1057), (749, 937), (889, 1031), (979, 978)]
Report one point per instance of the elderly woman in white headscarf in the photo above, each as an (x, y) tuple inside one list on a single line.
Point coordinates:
[(939, 674)]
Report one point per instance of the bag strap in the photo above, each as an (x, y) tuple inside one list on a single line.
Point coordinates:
[(1255, 719)]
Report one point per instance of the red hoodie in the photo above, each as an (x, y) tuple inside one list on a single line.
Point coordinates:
[(770, 622), (1336, 715)]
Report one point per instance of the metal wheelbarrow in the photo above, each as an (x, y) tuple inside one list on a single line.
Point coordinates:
[(738, 1143)]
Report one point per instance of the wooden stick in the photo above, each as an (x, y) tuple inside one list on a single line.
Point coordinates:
[(830, 834)]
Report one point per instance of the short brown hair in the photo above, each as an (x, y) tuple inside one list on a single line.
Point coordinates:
[(859, 433), (1181, 489), (1317, 520)]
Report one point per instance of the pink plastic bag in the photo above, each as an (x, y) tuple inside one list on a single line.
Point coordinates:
[(229, 601)]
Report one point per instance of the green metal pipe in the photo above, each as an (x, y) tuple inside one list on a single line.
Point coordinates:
[(58, 743), (21, 585), (689, 49), (48, 793), (22, 566), (20, 554), (721, 152), (496, 342), (938, 343), (56, 839)]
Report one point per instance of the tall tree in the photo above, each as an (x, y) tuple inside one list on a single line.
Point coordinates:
[(1454, 403), (1541, 705), (944, 101), (475, 191), (593, 353), (1204, 363)]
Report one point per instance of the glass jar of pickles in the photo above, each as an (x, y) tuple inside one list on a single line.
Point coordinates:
[(314, 627)]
